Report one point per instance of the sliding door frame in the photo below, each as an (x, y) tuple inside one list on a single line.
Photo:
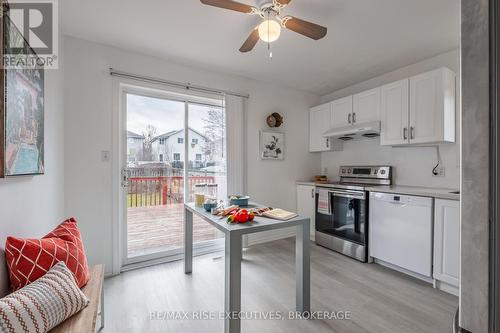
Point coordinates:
[(494, 285), (121, 88)]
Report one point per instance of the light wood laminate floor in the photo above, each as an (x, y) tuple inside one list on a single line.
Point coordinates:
[(379, 299)]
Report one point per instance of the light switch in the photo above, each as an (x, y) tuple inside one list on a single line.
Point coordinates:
[(105, 155)]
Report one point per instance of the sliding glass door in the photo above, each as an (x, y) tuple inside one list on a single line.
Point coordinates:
[(173, 146), (206, 162)]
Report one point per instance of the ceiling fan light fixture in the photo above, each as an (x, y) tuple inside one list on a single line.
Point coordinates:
[(269, 31)]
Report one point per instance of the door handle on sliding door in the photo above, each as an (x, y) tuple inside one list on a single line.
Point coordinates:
[(125, 176)]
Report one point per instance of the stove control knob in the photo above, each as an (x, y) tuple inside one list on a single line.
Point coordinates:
[(343, 170), (382, 172), (348, 170)]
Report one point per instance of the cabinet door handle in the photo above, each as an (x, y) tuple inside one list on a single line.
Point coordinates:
[(327, 143), (405, 133), (412, 132), (312, 193), (349, 118), (353, 117)]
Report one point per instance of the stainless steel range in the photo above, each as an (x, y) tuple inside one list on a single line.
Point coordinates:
[(342, 209)]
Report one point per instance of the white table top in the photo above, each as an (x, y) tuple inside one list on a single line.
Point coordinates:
[(257, 225)]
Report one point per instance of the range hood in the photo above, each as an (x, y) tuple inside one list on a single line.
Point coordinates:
[(361, 131)]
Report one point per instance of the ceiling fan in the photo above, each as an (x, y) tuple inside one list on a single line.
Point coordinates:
[(269, 29)]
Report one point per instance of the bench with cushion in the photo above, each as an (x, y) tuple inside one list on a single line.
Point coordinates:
[(56, 268)]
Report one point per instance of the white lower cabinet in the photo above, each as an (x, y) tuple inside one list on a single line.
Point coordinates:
[(447, 244), (306, 202)]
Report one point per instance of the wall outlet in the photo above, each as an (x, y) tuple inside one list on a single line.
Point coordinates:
[(439, 172)]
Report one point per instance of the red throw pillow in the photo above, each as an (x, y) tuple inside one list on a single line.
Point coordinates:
[(30, 259)]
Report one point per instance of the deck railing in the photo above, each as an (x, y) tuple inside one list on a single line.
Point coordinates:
[(158, 191)]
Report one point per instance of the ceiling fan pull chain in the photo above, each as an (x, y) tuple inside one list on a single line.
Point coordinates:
[(269, 38)]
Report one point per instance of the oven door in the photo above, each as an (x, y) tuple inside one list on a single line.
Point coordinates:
[(348, 219)]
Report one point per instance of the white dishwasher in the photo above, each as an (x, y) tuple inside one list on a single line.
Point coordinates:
[(400, 231)]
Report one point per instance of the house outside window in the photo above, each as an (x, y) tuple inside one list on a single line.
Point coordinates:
[(194, 141), (198, 157), (177, 156), (162, 141), (180, 140), (161, 157)]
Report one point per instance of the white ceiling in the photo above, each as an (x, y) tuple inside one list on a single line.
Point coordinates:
[(365, 38)]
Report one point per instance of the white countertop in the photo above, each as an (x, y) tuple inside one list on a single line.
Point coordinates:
[(440, 193)]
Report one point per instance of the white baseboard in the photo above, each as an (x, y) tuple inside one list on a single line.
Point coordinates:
[(447, 288), (269, 236), (405, 271)]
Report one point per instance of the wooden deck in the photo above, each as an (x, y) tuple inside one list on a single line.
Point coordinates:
[(159, 228)]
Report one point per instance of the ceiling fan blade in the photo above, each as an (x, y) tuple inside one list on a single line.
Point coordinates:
[(231, 5), (305, 28), (251, 41), (282, 3)]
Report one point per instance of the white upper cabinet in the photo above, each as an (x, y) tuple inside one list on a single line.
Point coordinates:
[(419, 110), (341, 112), (394, 113), (432, 107), (366, 106), (319, 123), (360, 108)]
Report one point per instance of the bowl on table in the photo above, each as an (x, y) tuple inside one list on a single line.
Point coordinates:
[(239, 200), (209, 205)]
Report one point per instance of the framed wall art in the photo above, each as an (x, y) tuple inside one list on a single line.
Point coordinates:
[(23, 108), (272, 145)]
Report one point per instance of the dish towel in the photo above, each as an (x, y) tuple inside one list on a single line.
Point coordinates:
[(324, 202)]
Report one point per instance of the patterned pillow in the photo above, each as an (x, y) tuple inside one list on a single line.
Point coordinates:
[(43, 304), (29, 259)]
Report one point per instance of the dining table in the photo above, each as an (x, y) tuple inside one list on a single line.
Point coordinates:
[(233, 234)]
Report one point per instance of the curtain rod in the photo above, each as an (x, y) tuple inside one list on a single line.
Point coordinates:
[(187, 86)]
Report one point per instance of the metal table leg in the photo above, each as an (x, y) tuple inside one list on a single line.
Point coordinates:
[(232, 287), (303, 269), (188, 241)]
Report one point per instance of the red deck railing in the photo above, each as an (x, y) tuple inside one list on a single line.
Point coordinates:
[(157, 191)]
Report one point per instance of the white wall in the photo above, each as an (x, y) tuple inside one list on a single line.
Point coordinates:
[(88, 125), (413, 166), (31, 206)]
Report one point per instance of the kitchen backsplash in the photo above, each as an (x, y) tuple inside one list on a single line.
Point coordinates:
[(412, 166)]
